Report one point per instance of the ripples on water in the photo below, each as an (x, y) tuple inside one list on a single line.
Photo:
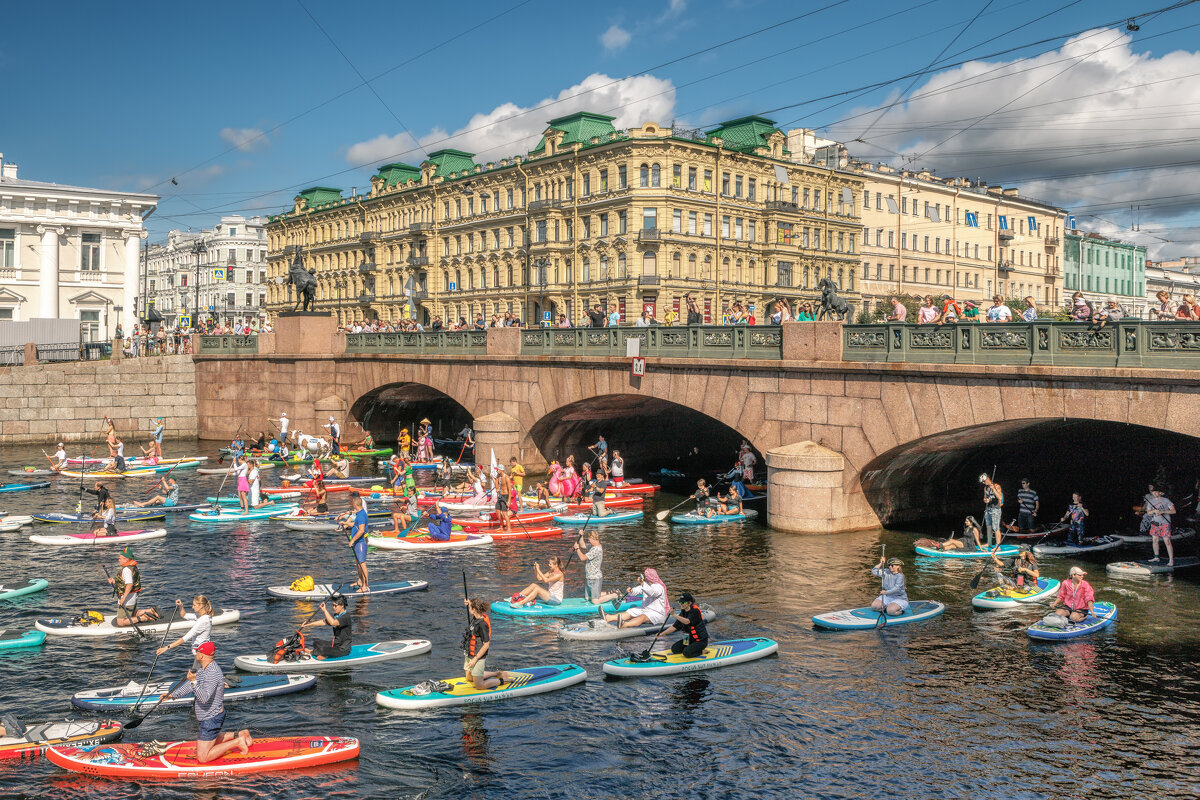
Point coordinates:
[(960, 706)]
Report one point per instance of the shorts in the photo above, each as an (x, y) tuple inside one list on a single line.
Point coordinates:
[(552, 601), (169, 503), (652, 617), (124, 612), (360, 550), (325, 650), (502, 504), (691, 649), (598, 509), (1160, 530), (991, 517), (243, 484), (322, 508), (210, 728), (593, 588), (479, 666)]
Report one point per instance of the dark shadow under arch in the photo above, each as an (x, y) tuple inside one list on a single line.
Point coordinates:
[(933, 482), (385, 410)]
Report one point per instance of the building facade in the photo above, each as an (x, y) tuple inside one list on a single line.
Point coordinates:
[(69, 252), (220, 270), (925, 235), (631, 220), (1104, 268), (1177, 277)]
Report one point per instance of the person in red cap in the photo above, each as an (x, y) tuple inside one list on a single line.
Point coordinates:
[(207, 685)]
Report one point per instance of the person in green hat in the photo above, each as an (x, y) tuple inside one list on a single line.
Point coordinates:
[(126, 585)]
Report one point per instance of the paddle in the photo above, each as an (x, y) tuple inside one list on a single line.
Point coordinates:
[(135, 721), (132, 621), (154, 663), (227, 474), (467, 597), (882, 619), (979, 575), (660, 516), (163, 478), (644, 656)]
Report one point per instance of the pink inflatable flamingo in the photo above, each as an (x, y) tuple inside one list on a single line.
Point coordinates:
[(555, 484)]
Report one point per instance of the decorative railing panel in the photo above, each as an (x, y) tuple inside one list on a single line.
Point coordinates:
[(694, 341), (227, 345), (443, 342)]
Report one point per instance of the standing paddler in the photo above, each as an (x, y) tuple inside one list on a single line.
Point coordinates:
[(993, 500)]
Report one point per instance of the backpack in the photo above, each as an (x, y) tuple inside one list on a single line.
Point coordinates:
[(304, 584), (287, 649), (88, 618)]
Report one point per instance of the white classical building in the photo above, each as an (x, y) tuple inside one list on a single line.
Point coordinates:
[(69, 252), (221, 270)]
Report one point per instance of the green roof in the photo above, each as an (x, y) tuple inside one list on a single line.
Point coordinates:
[(745, 133), (579, 127), (393, 174), (320, 195), (448, 161)]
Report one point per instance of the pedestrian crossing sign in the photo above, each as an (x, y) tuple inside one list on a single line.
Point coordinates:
[(185, 321)]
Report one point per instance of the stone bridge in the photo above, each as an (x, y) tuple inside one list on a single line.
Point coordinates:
[(854, 430)]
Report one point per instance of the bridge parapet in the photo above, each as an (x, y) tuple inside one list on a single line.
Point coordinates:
[(692, 341), (1126, 343)]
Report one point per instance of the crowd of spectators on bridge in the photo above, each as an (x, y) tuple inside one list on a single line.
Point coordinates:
[(163, 340), (947, 310)]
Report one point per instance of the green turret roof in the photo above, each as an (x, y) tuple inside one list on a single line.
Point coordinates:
[(320, 195), (448, 161), (579, 127), (393, 174), (745, 133)]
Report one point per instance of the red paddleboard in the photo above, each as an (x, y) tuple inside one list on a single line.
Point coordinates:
[(491, 522), (635, 488), (517, 532), (178, 759), (611, 502)]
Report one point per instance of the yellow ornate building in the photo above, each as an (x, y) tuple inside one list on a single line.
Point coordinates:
[(928, 235), (631, 220)]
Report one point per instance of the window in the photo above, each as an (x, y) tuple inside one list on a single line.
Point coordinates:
[(751, 233), (867, 198), (603, 268), (725, 183), (692, 266), (649, 263), (587, 184), (621, 182), (539, 231), (737, 185), (89, 253), (587, 269), (805, 197), (621, 265), (676, 176), (570, 188), (604, 180), (750, 189), (724, 226), (692, 223), (737, 228), (649, 219), (90, 323), (655, 176), (817, 199), (644, 176), (691, 179), (851, 250), (676, 221), (511, 231), (8, 247), (183, 279), (708, 222), (621, 227), (784, 233), (470, 206), (587, 227), (785, 273), (707, 180)]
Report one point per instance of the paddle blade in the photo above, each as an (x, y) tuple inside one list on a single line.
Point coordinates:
[(976, 579), (660, 516), (133, 723)]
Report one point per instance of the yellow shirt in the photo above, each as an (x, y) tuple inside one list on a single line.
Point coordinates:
[(518, 477), (405, 441)]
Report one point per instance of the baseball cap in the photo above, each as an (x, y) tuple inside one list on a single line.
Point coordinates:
[(207, 648), (686, 597), (1076, 571), (128, 553), (331, 419)]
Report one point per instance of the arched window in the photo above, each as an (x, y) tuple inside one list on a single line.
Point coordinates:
[(676, 266), (691, 273), (446, 280), (496, 276), (649, 263), (753, 276), (458, 279), (725, 273), (483, 277), (841, 277), (804, 285), (644, 175), (603, 268), (738, 274), (621, 265), (587, 269), (850, 287), (655, 176), (708, 265)]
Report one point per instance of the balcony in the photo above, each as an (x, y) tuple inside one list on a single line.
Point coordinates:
[(650, 236), (291, 249), (366, 266), (1007, 236), (367, 236), (781, 205), (541, 205), (420, 227), (648, 280), (420, 296), (418, 261), (1052, 241), (366, 298), (1004, 267)]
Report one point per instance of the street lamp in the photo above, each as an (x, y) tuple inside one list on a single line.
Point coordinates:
[(542, 264), (197, 251)]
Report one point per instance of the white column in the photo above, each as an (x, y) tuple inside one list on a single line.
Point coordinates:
[(133, 252), (48, 270)]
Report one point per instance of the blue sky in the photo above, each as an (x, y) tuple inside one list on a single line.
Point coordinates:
[(244, 103)]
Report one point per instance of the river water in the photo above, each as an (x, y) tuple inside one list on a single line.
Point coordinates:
[(964, 705)]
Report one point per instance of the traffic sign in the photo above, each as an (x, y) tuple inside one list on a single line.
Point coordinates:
[(546, 316), (453, 286), (185, 321), (638, 367)]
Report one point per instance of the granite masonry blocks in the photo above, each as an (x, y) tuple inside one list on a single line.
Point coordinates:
[(44, 403)]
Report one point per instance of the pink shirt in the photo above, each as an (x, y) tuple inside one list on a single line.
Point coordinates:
[(1076, 598), (926, 314)]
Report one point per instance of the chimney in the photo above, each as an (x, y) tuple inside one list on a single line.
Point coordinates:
[(1011, 192), (8, 171)]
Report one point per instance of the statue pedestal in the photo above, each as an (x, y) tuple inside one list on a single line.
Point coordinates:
[(307, 333)]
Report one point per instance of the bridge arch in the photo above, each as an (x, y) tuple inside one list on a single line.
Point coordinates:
[(385, 409)]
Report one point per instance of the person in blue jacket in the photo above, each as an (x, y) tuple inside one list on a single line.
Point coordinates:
[(439, 523), (893, 599)]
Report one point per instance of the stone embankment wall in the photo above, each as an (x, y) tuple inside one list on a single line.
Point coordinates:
[(48, 403)]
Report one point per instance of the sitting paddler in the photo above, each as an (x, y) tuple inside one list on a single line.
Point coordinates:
[(551, 594), (149, 454), (339, 467), (440, 523), (169, 497), (337, 619), (59, 460), (476, 642), (703, 509), (894, 598), (104, 521), (1075, 599), (11, 727), (406, 512), (652, 610), (690, 620), (1025, 572), (972, 539), (117, 462), (542, 494), (729, 504)]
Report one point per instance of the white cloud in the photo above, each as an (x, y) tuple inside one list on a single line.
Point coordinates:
[(1112, 131), (510, 129), (674, 9), (615, 38), (245, 139)]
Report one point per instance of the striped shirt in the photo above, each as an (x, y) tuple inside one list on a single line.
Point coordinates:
[(1028, 499), (209, 689)]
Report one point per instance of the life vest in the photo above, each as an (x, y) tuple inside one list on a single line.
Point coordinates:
[(90, 618), (287, 649), (469, 639), (119, 583)]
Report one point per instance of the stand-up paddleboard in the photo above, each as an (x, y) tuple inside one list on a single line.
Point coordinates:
[(70, 627), (18, 640), (1005, 551), (280, 503), (372, 453), (1147, 568), (229, 470), (162, 511), (1012, 531), (1011, 597), (528, 532), (122, 516), (23, 487), (1103, 615), (126, 697), (33, 471), (360, 656), (120, 537), (516, 521), (607, 519), (16, 519), (231, 515), (857, 619), (570, 607), (35, 740), (692, 518), (634, 488), (521, 682), (1134, 538), (178, 759), (1089, 546), (9, 527), (597, 630), (616, 501), (717, 654), (12, 591), (321, 591), (426, 542)]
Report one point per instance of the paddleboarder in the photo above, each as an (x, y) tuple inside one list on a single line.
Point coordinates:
[(551, 594), (339, 621), (618, 469), (335, 434), (358, 541), (894, 598), (104, 521), (993, 500), (690, 620), (476, 642), (1027, 498), (654, 606), (199, 633), (59, 461), (169, 498), (158, 437), (1075, 599), (408, 512), (1078, 514), (208, 687), (127, 584), (593, 559), (1158, 510), (599, 487)]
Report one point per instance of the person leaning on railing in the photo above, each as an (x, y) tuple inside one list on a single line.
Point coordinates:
[(1165, 308)]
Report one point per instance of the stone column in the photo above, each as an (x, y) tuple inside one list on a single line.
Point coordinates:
[(133, 251), (805, 492), (497, 432), (48, 272)]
